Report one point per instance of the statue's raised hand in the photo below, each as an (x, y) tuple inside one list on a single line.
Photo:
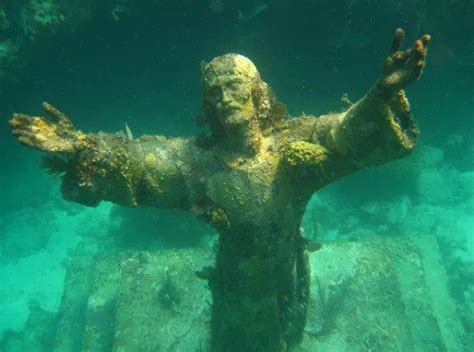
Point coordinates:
[(402, 67), (56, 134)]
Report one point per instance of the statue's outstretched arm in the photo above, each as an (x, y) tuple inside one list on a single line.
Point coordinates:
[(379, 127), (112, 167)]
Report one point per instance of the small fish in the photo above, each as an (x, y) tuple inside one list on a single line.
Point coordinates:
[(128, 132)]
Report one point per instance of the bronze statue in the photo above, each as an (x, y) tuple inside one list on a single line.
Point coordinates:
[(250, 179)]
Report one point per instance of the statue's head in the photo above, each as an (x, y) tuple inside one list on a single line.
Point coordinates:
[(233, 93)]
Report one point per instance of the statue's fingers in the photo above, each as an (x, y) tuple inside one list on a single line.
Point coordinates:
[(18, 132), (425, 39), (34, 140), (420, 64), (419, 50), (23, 133), (28, 127), (30, 124), (398, 37), (20, 120), (58, 116), (418, 55), (30, 140), (401, 56), (420, 47), (25, 140), (33, 144), (54, 113)]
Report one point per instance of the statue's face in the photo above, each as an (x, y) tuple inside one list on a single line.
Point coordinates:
[(228, 86), (230, 97)]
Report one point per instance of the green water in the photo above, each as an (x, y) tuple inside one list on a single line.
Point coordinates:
[(107, 63)]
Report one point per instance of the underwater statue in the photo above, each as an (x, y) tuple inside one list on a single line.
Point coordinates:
[(251, 179)]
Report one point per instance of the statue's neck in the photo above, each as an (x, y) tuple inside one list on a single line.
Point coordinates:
[(242, 139)]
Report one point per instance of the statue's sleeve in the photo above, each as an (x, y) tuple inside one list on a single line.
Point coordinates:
[(371, 132), (126, 171)]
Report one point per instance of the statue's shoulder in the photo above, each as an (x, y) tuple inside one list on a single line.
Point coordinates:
[(197, 151), (294, 129)]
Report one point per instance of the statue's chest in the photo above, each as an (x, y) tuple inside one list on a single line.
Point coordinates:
[(244, 187)]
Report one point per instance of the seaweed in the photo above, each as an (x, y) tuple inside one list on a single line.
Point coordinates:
[(55, 165)]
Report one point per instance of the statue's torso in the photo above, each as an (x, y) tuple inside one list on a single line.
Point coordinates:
[(217, 185), (252, 190)]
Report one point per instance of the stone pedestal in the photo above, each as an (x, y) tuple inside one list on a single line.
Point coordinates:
[(374, 295)]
